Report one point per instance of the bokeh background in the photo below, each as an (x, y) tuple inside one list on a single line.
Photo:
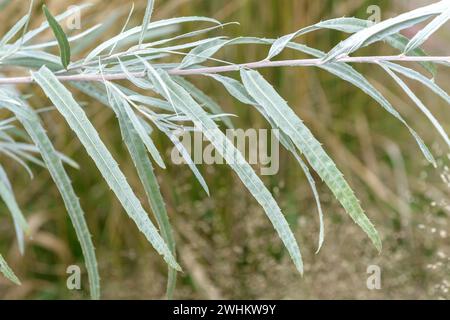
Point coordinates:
[(226, 245)]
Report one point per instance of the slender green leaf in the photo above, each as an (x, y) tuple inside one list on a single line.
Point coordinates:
[(144, 168), (350, 25), (347, 73), (313, 187), (187, 105), (148, 179), (186, 156), (139, 128), (7, 272), (397, 41), (80, 124), (138, 82), (414, 75), (63, 43), (304, 140), (151, 26), (130, 14), (146, 21), (202, 52), (385, 28), (14, 30), (426, 32), (20, 222), (237, 90), (203, 99), (44, 26), (419, 104), (52, 158)]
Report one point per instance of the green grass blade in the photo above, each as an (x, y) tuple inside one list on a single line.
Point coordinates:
[(63, 43), (304, 140), (80, 124)]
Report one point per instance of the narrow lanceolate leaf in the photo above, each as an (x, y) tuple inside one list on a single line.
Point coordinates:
[(287, 143), (137, 30), (35, 32), (7, 272), (304, 140), (347, 73), (148, 179), (202, 53), (188, 106), (397, 40), (20, 222), (143, 165), (281, 43), (382, 30), (419, 104), (14, 30), (203, 99), (187, 158), (52, 159), (426, 32), (34, 60), (417, 76), (63, 43), (237, 90), (146, 21), (80, 124), (349, 25), (138, 82), (148, 142)]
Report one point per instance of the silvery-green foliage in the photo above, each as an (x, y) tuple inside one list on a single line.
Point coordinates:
[(388, 27), (155, 59), (80, 124), (278, 110), (53, 161), (7, 272)]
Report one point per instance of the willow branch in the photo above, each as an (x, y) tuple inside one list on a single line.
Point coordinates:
[(236, 67)]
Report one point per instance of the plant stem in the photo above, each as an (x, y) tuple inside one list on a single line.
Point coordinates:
[(237, 67)]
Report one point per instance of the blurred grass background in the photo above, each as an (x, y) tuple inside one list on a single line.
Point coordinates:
[(226, 245)]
